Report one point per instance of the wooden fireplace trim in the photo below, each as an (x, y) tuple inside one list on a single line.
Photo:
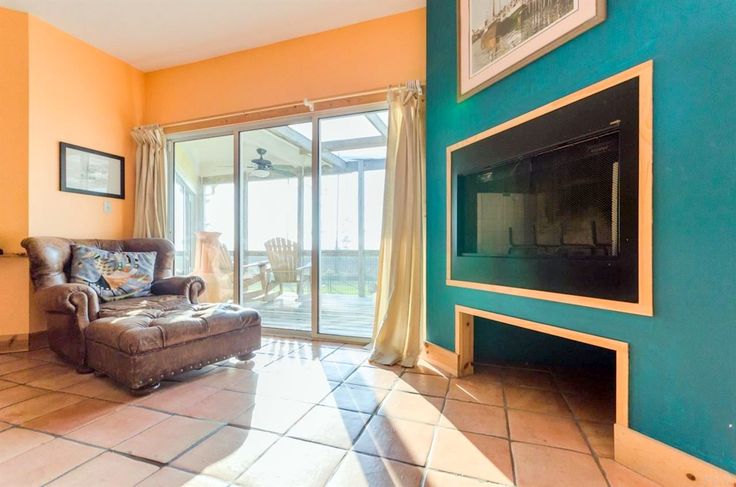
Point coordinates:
[(460, 361), (645, 305), (465, 328)]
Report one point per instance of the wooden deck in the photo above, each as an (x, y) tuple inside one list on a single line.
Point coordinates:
[(340, 314)]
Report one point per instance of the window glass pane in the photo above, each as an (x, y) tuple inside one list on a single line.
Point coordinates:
[(346, 128), (351, 208), (204, 209), (276, 238)]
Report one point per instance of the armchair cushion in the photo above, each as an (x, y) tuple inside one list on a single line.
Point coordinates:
[(113, 275), (189, 286)]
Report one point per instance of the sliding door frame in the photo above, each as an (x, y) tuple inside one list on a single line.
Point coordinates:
[(235, 131)]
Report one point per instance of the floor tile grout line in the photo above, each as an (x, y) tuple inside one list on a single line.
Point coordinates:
[(593, 452), (514, 471), (433, 441), (74, 468)]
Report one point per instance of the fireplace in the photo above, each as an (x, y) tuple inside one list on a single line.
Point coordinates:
[(556, 202)]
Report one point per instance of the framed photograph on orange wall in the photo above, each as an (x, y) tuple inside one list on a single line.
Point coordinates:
[(497, 37), (91, 172)]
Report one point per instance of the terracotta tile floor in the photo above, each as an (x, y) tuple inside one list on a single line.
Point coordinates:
[(308, 414)]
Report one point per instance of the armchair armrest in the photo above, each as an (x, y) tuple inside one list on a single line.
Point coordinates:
[(189, 286), (74, 299)]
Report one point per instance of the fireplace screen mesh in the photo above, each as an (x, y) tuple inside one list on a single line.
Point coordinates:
[(561, 202)]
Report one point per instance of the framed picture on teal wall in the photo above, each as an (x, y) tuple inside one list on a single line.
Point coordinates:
[(497, 37)]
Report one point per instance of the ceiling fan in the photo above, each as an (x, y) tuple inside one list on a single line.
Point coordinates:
[(263, 167)]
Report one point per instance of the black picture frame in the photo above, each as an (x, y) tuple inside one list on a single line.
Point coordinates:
[(66, 174)]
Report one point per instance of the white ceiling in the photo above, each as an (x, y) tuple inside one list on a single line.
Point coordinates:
[(154, 34)]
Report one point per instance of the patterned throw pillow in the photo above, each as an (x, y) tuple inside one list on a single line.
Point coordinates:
[(113, 275)]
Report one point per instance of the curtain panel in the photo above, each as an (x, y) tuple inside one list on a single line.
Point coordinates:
[(399, 315), (150, 183)]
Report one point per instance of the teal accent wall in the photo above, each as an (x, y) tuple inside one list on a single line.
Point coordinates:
[(683, 360)]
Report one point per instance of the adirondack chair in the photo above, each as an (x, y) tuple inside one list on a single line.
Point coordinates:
[(284, 257)]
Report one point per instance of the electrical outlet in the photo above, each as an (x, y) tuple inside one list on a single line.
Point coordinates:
[(106, 206)]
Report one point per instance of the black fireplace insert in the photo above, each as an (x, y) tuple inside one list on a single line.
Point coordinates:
[(552, 204)]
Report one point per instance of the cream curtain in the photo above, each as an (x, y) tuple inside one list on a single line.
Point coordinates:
[(150, 183), (399, 316)]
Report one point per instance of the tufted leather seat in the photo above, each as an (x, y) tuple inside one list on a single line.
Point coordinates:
[(136, 341), (140, 325)]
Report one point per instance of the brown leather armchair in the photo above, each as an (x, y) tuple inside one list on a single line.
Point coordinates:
[(136, 341)]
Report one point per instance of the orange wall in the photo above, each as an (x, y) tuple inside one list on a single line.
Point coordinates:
[(80, 95), (55, 88), (13, 129), (14, 282), (359, 57)]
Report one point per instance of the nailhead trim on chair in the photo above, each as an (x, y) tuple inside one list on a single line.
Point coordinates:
[(188, 368)]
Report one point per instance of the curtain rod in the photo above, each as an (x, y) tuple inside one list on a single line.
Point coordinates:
[(306, 102)]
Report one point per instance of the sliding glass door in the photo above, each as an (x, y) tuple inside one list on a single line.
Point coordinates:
[(276, 237), (351, 203), (248, 215)]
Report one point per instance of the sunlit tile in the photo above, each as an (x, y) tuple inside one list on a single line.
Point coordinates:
[(167, 439), (272, 414), (355, 398), (476, 389), (221, 406), (15, 441), (397, 439), (174, 397), (354, 356), (118, 426), (330, 426), (542, 466), (429, 385), (373, 377), (227, 453), (107, 469), (293, 462), (357, 470), (45, 462), (474, 418), (171, 477), (474, 455), (414, 407), (435, 478)]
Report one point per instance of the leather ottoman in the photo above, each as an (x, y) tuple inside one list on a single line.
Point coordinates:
[(140, 341)]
